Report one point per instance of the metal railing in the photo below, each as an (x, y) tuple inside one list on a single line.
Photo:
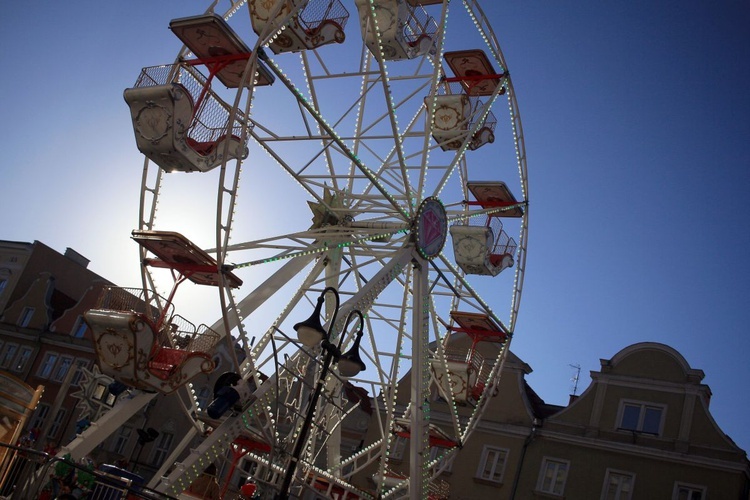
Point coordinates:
[(316, 12), (211, 117), (503, 244), (419, 25), (133, 299), (185, 335), (30, 475)]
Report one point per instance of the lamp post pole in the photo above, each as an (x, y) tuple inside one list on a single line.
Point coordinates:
[(312, 332), (302, 438), (312, 325)]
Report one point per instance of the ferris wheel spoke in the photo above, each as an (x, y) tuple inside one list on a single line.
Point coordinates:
[(482, 403), (333, 243), (438, 356), (362, 167), (470, 293), (330, 163), (383, 76), (371, 353)]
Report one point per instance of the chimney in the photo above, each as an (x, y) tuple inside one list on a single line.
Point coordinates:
[(77, 257)]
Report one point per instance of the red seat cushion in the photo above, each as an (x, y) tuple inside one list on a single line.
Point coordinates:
[(166, 361)]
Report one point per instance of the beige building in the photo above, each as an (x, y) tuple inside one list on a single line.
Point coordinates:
[(641, 430), (42, 334), (44, 342)]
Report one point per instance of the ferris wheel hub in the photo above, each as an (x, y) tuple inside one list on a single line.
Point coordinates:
[(430, 227)]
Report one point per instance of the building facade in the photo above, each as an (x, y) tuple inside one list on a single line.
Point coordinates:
[(641, 430), (45, 342)]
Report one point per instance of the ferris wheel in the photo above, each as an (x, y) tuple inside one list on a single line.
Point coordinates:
[(369, 188)]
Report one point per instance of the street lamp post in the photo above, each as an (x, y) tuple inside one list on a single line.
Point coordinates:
[(145, 436), (311, 333)]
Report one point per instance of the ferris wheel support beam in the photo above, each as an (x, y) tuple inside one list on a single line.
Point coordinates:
[(314, 273), (266, 289), (420, 380), (105, 426), (172, 458)]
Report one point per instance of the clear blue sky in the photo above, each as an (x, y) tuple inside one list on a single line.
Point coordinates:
[(637, 124)]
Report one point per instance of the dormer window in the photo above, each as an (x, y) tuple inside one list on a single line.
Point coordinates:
[(26, 315), (79, 329), (642, 417), (4, 279)]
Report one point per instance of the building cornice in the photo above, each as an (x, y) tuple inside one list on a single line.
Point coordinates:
[(30, 336), (652, 453), (648, 384)]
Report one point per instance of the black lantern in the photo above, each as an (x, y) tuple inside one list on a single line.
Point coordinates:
[(311, 332), (350, 363)]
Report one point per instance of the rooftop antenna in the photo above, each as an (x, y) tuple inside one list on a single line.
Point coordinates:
[(575, 378)]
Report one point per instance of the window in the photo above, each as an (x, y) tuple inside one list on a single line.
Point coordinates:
[(684, 491), (56, 367), (62, 368), (8, 354), (40, 415), (45, 369), (3, 284), (101, 393), (162, 449), (23, 357), (79, 329), (121, 440), (618, 485), (26, 315), (78, 375), (56, 424), (641, 417), (552, 476), (492, 464)]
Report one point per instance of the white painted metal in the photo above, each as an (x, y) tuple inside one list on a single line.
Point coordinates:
[(107, 425), (351, 129)]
